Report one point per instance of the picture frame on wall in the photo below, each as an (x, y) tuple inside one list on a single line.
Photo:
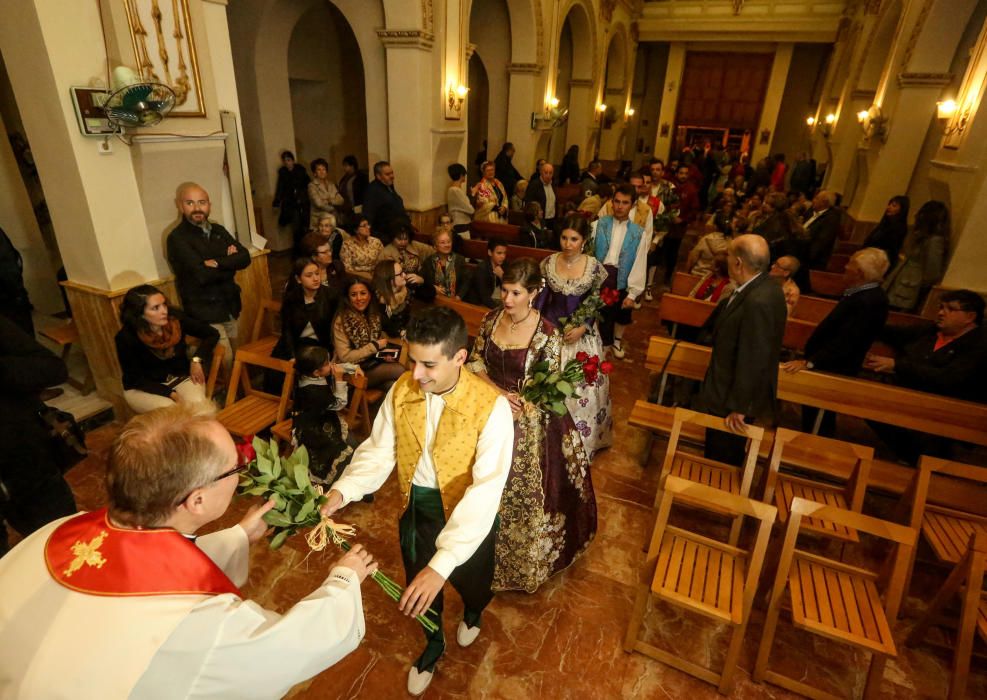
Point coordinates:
[(164, 49)]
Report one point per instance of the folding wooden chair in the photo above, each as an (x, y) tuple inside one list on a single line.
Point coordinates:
[(257, 409), (717, 475), (801, 450), (836, 600), (266, 331), (218, 353), (967, 579), (358, 415), (696, 573), (947, 530)]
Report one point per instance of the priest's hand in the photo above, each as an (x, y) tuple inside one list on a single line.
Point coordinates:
[(420, 593), (359, 560), (334, 503), (253, 522)]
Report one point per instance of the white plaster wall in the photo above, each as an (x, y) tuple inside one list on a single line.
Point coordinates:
[(490, 30)]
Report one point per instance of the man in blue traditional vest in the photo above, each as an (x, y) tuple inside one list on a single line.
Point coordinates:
[(451, 437), (622, 247)]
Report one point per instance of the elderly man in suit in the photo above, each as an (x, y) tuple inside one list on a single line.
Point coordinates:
[(542, 190), (741, 382), (823, 228)]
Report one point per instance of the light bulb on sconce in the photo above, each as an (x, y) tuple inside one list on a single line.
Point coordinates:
[(830, 118), (811, 121), (553, 102), (601, 108), (873, 122), (862, 115), (456, 96), (630, 111), (949, 111), (946, 109)]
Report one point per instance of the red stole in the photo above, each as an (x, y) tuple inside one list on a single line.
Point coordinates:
[(90, 555)]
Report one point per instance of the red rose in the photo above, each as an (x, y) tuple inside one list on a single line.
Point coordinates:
[(245, 450), (590, 377), (582, 356), (606, 367)]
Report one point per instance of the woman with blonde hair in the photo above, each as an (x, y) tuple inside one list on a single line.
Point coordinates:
[(490, 196)]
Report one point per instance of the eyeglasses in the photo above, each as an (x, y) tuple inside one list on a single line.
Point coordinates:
[(239, 469), (951, 308)]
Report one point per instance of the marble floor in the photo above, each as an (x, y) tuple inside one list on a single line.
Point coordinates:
[(566, 640)]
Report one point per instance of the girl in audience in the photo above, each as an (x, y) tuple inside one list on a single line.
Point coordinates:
[(391, 288), (572, 278), (322, 193), (891, 230), (359, 338), (548, 510), (922, 261), (307, 311), (152, 349), (316, 248), (446, 271), (491, 197), (361, 252)]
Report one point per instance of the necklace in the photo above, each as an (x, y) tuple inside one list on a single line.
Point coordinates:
[(516, 324), (569, 263)]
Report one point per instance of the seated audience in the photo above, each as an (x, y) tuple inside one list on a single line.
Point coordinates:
[(842, 339), (922, 262), (361, 252), (777, 227), (147, 609), (484, 289), (722, 219), (445, 270), (412, 255), (323, 196), (359, 338), (702, 255), (594, 203), (490, 197), (320, 393), (333, 235), (716, 284), (307, 311), (393, 297), (947, 358), (590, 182), (891, 230), (152, 349), (534, 234), (822, 228), (315, 247), (457, 202), (783, 269)]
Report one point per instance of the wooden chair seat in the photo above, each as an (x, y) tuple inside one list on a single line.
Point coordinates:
[(948, 531), (261, 346), (789, 487), (64, 334), (706, 471), (250, 415), (840, 603), (708, 574), (282, 431)]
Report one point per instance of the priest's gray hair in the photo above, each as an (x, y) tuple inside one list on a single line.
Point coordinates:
[(158, 459)]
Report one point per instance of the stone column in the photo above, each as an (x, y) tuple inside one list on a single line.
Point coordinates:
[(670, 101), (526, 95), (772, 100)]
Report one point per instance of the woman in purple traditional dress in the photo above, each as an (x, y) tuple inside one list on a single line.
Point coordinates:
[(572, 281), (548, 510)]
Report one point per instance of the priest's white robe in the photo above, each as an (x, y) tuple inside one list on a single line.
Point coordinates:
[(58, 643)]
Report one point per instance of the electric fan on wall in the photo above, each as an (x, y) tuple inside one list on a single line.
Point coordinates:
[(136, 103)]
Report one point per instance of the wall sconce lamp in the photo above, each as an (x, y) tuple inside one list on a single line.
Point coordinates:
[(629, 112), (810, 121), (601, 109), (873, 122), (552, 115), (456, 97), (826, 126), (948, 111)]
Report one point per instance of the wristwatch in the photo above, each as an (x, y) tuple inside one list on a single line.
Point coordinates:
[(197, 360), (809, 365)]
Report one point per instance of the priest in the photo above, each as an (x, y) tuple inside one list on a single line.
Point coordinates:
[(126, 601)]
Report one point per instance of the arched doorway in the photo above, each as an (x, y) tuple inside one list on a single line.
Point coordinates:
[(574, 84), (326, 83), (610, 125), (490, 31), (478, 111)]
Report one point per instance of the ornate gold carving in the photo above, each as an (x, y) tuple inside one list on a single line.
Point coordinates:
[(428, 16), (916, 32), (87, 554), (533, 68), (406, 37), (906, 80), (606, 9)]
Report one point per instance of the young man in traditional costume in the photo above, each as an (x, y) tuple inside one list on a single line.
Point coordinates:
[(450, 434), (126, 602)]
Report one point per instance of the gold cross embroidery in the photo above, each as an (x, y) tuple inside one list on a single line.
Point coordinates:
[(87, 554)]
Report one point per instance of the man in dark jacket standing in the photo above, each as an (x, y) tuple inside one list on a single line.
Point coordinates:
[(14, 302), (542, 190), (841, 340), (205, 258), (382, 205), (741, 382), (32, 490)]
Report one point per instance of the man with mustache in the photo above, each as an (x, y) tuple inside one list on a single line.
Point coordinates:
[(205, 258)]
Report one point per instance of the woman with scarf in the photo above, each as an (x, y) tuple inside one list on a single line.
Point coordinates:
[(491, 198), (152, 349), (359, 338), (445, 270)]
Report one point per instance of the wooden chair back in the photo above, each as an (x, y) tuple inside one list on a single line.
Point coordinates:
[(212, 373), (966, 580), (265, 324), (683, 283), (358, 414), (257, 409), (793, 448), (691, 571), (836, 600)]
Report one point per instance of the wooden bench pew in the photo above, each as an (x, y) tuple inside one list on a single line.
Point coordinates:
[(477, 249), (815, 309), (471, 313), (683, 283), (837, 262), (827, 284), (486, 230)]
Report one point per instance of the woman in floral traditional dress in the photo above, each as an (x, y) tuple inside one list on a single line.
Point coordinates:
[(572, 284), (491, 197), (548, 510)]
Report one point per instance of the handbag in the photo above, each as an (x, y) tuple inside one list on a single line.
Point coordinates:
[(67, 439)]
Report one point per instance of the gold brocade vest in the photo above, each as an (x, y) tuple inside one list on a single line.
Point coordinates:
[(467, 408), (639, 213)]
